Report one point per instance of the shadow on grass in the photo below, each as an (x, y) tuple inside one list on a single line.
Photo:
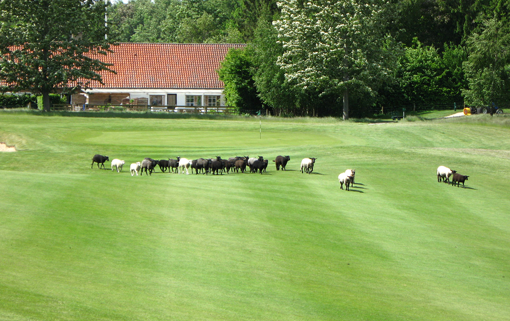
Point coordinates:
[(314, 173), (467, 187)]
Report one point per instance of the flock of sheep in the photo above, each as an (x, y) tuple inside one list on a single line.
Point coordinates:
[(219, 166), (202, 165)]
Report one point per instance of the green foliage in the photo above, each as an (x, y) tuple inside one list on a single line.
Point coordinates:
[(240, 90), (488, 65), (428, 77), (46, 45), (335, 48), (10, 100), (269, 78)]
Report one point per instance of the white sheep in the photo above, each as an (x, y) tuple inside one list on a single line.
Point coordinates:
[(444, 173), (184, 164), (307, 165), (135, 168), (345, 178), (117, 163), (351, 172)]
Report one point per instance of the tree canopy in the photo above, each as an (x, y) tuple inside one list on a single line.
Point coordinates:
[(46, 45), (302, 57), (488, 64), (334, 47)]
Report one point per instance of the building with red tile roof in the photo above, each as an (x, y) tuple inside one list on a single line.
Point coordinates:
[(160, 74)]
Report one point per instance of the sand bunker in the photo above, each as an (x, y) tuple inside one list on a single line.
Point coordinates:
[(5, 148)]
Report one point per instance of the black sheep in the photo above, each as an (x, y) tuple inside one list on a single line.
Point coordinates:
[(457, 178), (99, 159), (217, 165), (259, 165), (281, 161), (163, 165), (202, 165)]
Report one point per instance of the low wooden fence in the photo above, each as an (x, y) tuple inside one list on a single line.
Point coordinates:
[(145, 108)]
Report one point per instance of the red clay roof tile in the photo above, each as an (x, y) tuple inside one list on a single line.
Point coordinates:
[(176, 66)]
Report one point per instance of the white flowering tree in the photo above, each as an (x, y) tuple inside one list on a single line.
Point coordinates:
[(334, 47)]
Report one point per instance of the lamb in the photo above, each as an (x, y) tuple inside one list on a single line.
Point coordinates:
[(99, 159), (457, 179), (345, 178), (444, 173), (117, 163), (135, 168), (307, 165)]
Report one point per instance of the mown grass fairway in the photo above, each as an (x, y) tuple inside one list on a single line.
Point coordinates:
[(85, 244)]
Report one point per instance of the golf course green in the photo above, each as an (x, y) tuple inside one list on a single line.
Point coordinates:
[(82, 243)]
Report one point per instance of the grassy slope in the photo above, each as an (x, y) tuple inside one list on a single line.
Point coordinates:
[(82, 244)]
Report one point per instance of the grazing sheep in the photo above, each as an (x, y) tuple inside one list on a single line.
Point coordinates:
[(345, 178), (307, 165), (444, 173), (457, 179), (281, 161), (99, 159), (184, 164), (135, 168), (117, 163), (351, 172)]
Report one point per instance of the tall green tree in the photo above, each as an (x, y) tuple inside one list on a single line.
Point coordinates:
[(427, 76), (488, 65), (236, 73), (274, 90), (334, 47), (46, 45)]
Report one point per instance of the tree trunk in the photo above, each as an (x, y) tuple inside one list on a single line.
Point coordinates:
[(346, 104), (46, 101)]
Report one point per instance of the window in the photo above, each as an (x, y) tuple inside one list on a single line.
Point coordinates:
[(193, 100), (156, 100), (213, 101)]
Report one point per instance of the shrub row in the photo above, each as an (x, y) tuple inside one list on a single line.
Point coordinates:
[(23, 100)]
